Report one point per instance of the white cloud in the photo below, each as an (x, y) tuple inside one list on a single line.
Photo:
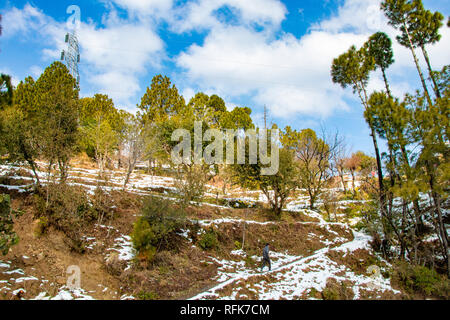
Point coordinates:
[(292, 75), (144, 9), (117, 55), (22, 21), (203, 14), (288, 74), (113, 56)]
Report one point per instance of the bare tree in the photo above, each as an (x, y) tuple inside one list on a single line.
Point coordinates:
[(134, 145), (314, 156), (338, 164)]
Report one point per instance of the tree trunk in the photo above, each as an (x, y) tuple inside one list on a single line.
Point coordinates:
[(364, 100), (379, 165), (312, 201), (353, 182), (119, 156), (33, 168), (442, 229), (386, 83), (430, 71), (63, 170), (343, 182), (416, 61), (131, 167), (377, 150)]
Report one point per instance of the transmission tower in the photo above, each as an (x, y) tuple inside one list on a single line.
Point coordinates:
[(71, 55)]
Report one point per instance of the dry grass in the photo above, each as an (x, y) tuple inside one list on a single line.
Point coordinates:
[(358, 260)]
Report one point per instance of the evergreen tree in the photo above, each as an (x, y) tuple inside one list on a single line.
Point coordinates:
[(21, 127), (400, 14), (57, 105), (423, 30), (161, 101), (353, 69), (380, 48), (6, 90), (8, 237), (101, 127)]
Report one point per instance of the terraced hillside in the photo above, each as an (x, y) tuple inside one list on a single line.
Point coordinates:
[(312, 258)]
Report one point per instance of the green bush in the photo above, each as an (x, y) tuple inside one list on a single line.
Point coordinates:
[(209, 240), (144, 240), (8, 237), (156, 228), (422, 280)]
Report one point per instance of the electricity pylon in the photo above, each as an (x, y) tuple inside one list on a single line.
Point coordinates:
[(71, 55)]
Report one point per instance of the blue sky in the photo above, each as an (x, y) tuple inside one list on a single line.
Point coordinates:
[(252, 53)]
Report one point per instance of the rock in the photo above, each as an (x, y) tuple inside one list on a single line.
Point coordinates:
[(27, 261)]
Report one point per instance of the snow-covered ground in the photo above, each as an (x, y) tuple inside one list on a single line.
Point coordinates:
[(293, 277)]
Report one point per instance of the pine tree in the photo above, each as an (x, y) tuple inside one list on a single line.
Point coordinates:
[(21, 127), (424, 30), (353, 69), (379, 47), (57, 105), (399, 14), (161, 101)]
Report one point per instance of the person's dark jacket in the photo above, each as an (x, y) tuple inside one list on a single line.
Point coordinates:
[(266, 253)]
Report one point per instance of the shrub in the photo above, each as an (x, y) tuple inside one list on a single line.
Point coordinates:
[(8, 237), (67, 209), (42, 226), (194, 231), (335, 290), (144, 240), (156, 228), (422, 280), (102, 204), (191, 182), (209, 240)]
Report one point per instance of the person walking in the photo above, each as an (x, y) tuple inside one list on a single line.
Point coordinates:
[(266, 258)]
